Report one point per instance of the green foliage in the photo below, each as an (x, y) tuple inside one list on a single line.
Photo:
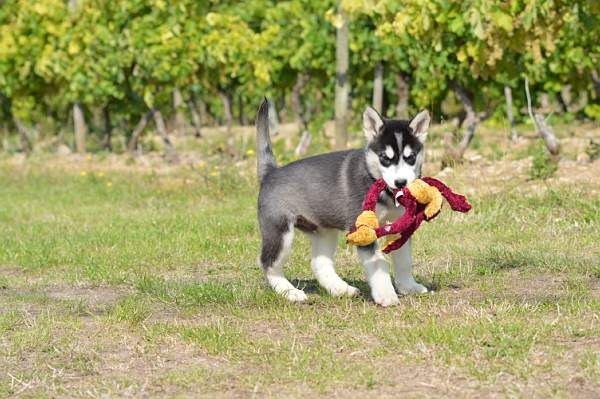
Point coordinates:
[(593, 111), (543, 166), (486, 43), (130, 55)]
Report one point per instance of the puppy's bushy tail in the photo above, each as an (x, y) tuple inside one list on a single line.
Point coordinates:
[(265, 160)]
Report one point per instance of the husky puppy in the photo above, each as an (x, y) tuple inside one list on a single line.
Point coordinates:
[(323, 194)]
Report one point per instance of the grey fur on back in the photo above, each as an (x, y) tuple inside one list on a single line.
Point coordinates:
[(324, 191), (321, 191), (265, 159)]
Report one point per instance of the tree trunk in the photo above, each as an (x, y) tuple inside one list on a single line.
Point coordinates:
[(318, 102), (273, 119), (227, 112), (543, 129), (97, 118), (205, 117), (279, 106), (107, 129), (378, 88), (137, 132), (161, 129), (26, 145), (545, 103), (564, 98), (196, 120), (596, 81), (241, 116), (467, 137), (4, 141), (509, 112), (180, 123), (403, 91), (79, 127), (581, 103), (297, 107), (303, 144), (470, 122), (546, 133), (342, 85)]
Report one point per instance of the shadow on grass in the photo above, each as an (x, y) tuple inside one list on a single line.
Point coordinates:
[(434, 285), (311, 286)]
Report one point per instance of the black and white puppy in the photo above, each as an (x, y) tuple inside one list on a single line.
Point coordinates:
[(323, 194)]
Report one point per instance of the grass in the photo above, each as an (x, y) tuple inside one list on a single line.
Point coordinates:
[(133, 281)]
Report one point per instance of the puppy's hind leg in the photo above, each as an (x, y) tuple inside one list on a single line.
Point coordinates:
[(276, 248), (324, 244)]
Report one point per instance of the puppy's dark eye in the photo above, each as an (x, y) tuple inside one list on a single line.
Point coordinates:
[(384, 159), (410, 159)]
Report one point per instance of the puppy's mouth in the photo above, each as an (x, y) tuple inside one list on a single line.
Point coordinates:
[(399, 185)]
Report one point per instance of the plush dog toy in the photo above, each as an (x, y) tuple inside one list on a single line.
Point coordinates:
[(421, 199)]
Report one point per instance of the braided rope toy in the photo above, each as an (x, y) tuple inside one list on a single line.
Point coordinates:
[(421, 199)]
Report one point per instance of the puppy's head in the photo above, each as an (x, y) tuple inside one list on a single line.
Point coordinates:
[(394, 147)]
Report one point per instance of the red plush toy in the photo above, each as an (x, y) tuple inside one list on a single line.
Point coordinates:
[(421, 199)]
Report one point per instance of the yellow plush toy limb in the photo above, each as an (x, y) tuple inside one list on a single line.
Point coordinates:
[(435, 205), (426, 195), (367, 218), (366, 223), (390, 239)]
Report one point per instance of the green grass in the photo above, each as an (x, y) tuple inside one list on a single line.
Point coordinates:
[(542, 166), (119, 281)]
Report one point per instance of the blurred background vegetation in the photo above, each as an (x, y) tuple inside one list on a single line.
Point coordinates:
[(89, 75)]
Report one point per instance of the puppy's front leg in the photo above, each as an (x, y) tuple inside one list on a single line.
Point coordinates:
[(378, 275), (405, 282)]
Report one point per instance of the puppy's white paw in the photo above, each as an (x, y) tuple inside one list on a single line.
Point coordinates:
[(295, 295), (382, 290), (386, 300), (341, 288), (410, 287), (352, 291), (385, 296)]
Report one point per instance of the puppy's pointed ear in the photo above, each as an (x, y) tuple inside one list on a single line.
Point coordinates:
[(420, 125), (372, 123)]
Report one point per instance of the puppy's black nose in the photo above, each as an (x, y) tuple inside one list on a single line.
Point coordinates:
[(400, 183)]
